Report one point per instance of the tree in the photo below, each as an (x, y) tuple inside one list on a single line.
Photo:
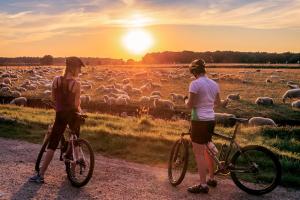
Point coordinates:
[(46, 60)]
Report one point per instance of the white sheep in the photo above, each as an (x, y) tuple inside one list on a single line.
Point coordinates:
[(155, 93), (177, 98), (15, 93), (293, 93), (85, 99), (293, 86), (109, 100), (265, 101), (296, 105), (234, 96), (7, 81), (20, 101), (261, 121), (164, 104)]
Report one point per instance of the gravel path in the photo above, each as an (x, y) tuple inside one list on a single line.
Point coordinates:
[(112, 179)]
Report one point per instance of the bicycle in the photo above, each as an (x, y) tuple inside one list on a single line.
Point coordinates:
[(254, 169), (76, 153)]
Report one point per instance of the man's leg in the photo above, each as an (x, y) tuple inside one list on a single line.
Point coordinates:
[(210, 164), (199, 152)]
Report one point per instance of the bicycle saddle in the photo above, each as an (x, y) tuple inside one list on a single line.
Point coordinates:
[(241, 120)]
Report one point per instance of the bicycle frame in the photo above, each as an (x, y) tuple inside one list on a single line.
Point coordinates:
[(221, 165)]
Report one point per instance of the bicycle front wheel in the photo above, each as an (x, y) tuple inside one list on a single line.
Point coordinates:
[(255, 170), (178, 161), (80, 172)]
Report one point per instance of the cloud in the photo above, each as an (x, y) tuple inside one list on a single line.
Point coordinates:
[(27, 21)]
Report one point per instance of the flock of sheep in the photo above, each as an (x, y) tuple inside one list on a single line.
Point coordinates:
[(146, 88)]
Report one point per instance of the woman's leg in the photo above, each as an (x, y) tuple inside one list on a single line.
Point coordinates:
[(199, 152)]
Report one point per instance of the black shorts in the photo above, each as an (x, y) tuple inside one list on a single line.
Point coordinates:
[(201, 131), (62, 119)]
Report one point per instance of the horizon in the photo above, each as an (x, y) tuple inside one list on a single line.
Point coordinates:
[(128, 29)]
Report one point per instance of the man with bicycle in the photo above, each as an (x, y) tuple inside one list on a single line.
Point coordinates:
[(204, 95), (66, 95)]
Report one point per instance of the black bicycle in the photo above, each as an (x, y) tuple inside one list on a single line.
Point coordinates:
[(254, 169), (76, 153)]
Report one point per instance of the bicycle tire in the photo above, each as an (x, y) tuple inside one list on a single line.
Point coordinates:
[(41, 154), (184, 143), (272, 157), (71, 178)]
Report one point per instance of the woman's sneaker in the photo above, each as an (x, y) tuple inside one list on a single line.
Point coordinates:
[(37, 179), (198, 189), (212, 183)]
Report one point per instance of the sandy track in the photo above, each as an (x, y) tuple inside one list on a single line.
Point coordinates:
[(112, 179)]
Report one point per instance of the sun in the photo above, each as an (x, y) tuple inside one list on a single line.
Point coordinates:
[(137, 41)]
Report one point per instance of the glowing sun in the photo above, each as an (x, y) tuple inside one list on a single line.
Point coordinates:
[(137, 41)]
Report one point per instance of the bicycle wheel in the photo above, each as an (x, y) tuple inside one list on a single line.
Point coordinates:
[(81, 172), (178, 161), (41, 154), (256, 170)]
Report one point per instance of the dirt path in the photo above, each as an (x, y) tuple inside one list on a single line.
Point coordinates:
[(112, 179)]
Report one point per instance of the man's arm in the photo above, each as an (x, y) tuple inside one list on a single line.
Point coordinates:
[(191, 102), (77, 90)]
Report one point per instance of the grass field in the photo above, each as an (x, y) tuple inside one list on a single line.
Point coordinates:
[(147, 140)]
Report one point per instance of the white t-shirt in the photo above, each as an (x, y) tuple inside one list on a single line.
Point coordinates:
[(206, 91)]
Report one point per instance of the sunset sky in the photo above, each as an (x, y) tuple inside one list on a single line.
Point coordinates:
[(128, 28)]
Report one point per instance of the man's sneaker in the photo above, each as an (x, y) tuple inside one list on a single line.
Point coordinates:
[(37, 179), (198, 189), (212, 183)]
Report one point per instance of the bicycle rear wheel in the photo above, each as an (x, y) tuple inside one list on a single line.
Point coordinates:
[(256, 170), (81, 172), (178, 162)]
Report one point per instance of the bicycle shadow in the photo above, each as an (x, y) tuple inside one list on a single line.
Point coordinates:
[(27, 191), (67, 191)]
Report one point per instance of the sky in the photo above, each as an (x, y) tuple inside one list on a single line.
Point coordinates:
[(97, 28)]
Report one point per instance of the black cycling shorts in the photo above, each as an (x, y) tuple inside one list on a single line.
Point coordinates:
[(62, 119), (201, 131)]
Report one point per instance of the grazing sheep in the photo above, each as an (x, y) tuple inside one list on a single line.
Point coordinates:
[(177, 98), (21, 89), (293, 93), (86, 87), (20, 101), (146, 87), (126, 80), (164, 104), (127, 88), (136, 91), (47, 92), (293, 86), (296, 105), (224, 119), (265, 101), (155, 93), (7, 81), (85, 99), (121, 100), (109, 100), (268, 81), (15, 93), (145, 101), (155, 86), (260, 121), (291, 83), (234, 96)]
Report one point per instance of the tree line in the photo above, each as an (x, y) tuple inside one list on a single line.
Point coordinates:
[(169, 57)]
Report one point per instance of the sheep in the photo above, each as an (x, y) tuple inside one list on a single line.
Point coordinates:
[(47, 92), (177, 98), (21, 89), (121, 100), (86, 86), (268, 80), (85, 99), (127, 88), (234, 96), (163, 103), (145, 101), (126, 80), (225, 119), (265, 101), (291, 83), (146, 87), (293, 86), (296, 105), (15, 93), (293, 93), (109, 100), (19, 101), (136, 91), (7, 81), (261, 121), (155, 93), (155, 86)]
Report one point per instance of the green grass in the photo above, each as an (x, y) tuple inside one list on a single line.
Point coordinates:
[(147, 140)]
